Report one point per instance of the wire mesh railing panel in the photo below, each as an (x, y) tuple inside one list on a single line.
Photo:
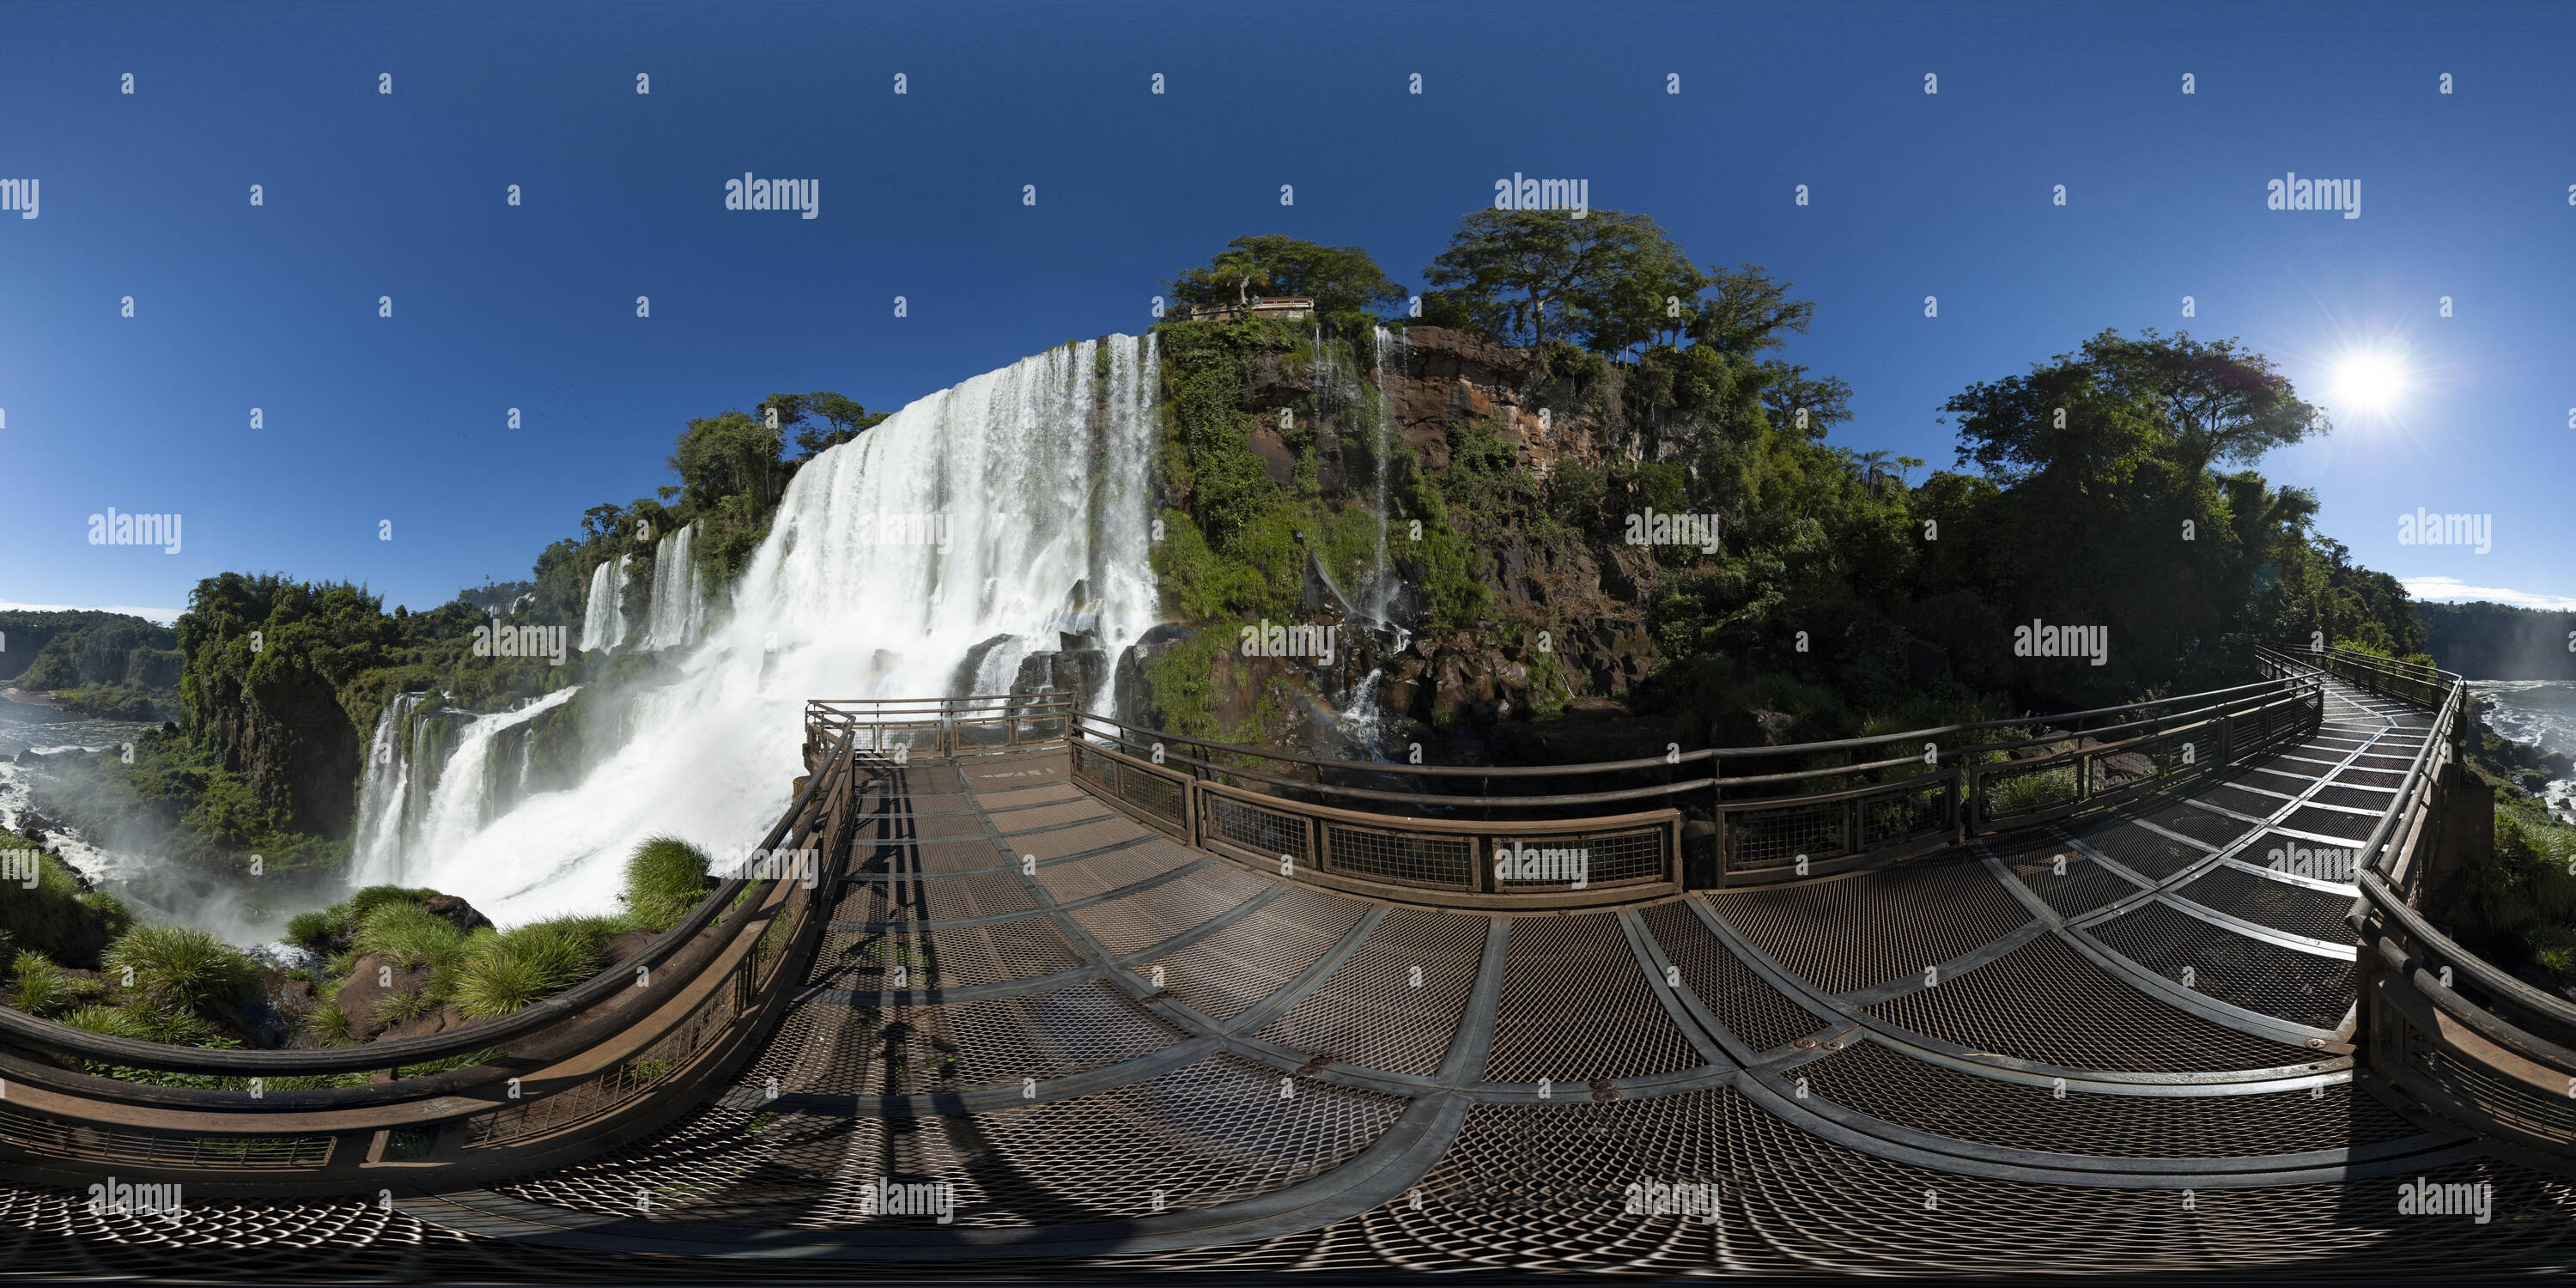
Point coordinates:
[(1579, 860), (56, 1139), (1165, 798), (1778, 836), (2009, 791), (1905, 812), (1267, 832), (1410, 858)]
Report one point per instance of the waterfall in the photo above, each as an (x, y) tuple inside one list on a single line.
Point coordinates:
[(603, 618), (476, 787), (677, 612), (1378, 595), (1002, 511), (384, 787)]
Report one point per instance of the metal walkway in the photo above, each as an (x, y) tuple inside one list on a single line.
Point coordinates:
[(2119, 1047)]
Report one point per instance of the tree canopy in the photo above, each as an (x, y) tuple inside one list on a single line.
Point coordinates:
[(2189, 403), (1340, 279), (1532, 276)]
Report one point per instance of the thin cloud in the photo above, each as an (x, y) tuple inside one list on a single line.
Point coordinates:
[(2453, 590)]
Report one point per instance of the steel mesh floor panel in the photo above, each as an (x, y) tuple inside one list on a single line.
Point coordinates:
[(2326, 822), (934, 899), (1897, 1088), (2199, 824), (2354, 798), (1575, 1007), (1210, 1132), (2252, 804), (2289, 777), (2278, 904), (1371, 1013), (956, 855), (953, 957), (2149, 854), (1081, 809), (1856, 931), (1149, 917), (2387, 779), (867, 1051), (1226, 973), (1102, 873), (2237, 969), (2044, 1002), (2086, 885), (1761, 1016)]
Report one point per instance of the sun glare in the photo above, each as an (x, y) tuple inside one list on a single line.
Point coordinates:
[(2369, 381)]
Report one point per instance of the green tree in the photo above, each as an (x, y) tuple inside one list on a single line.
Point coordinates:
[(733, 454), (842, 419), (1341, 280), (1531, 276), (2188, 402)]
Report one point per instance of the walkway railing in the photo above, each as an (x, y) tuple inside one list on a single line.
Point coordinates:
[(620, 1052), (899, 728), (2454, 1030), (1676, 821)]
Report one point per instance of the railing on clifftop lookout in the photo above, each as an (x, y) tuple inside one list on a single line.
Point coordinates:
[(1462, 836), (619, 1054), (2449, 1029), (1506, 837)]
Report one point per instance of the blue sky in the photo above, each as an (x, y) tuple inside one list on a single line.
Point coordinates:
[(403, 419)]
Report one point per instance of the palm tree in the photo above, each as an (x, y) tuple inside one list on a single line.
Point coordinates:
[(1872, 466)]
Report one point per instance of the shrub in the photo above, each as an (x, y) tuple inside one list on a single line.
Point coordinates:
[(314, 930), (56, 918), (665, 878), (109, 1020), (39, 987), (405, 935), (512, 970), (373, 897), (179, 967), (325, 1025), (394, 1008)]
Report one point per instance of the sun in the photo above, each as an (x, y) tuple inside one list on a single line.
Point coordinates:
[(2369, 381)]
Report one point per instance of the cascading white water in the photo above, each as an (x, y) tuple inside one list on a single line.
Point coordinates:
[(385, 786), (603, 619), (1378, 595), (678, 608), (466, 797), (1017, 504)]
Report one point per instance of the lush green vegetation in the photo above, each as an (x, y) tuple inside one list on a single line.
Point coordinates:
[(108, 665), (2111, 486), (1348, 287), (277, 683), (55, 917)]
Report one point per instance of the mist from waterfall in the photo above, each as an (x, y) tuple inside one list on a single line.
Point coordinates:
[(1015, 505)]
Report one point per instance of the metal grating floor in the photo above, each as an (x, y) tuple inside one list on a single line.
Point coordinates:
[(1316, 1083)]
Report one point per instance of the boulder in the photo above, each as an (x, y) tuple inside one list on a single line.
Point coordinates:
[(359, 993), (455, 912)]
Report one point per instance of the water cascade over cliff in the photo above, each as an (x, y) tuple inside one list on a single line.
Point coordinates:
[(966, 542), (603, 620), (677, 614)]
